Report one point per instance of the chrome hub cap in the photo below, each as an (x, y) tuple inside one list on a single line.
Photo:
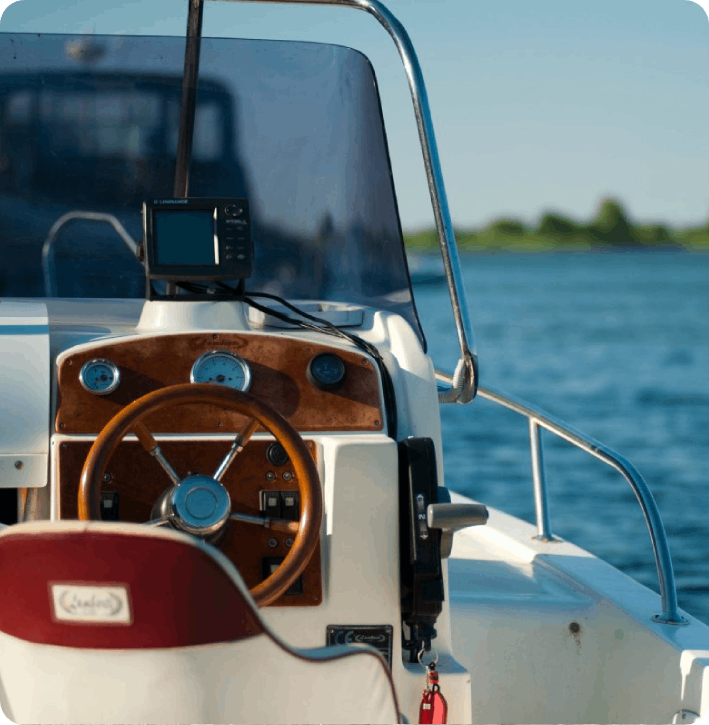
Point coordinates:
[(200, 505)]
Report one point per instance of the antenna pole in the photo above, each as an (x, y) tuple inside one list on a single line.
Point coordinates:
[(189, 98)]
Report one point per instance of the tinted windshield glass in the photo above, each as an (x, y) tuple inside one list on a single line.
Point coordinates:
[(91, 124)]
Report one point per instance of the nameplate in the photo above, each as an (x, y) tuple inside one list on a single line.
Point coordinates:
[(92, 604)]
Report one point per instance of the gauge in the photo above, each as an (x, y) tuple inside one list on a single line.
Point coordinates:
[(99, 376), (221, 367), (326, 371)]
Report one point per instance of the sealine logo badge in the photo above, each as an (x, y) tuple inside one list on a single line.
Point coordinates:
[(95, 604)]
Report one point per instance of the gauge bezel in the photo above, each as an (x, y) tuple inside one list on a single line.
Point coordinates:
[(102, 361), (324, 385), (224, 353)]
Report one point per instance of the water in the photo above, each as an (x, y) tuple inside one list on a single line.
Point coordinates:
[(616, 344)]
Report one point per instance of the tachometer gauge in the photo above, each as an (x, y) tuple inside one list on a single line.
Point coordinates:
[(99, 376), (221, 367)]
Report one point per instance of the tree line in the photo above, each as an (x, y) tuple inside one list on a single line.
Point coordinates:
[(610, 229)]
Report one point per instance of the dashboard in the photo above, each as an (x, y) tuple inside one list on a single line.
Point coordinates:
[(317, 388), (281, 374)]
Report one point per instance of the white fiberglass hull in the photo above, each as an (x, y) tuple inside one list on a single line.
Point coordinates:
[(552, 634)]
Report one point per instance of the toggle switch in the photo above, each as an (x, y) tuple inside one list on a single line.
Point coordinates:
[(109, 506), (271, 563), (290, 505), (271, 504)]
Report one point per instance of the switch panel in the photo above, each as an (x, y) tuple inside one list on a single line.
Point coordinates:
[(281, 504)]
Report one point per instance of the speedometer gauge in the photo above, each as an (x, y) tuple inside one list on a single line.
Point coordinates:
[(220, 367), (99, 376)]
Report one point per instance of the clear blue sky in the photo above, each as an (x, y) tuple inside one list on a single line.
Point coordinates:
[(546, 105)]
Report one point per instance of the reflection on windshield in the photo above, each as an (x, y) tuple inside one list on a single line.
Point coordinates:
[(295, 128), (113, 138)]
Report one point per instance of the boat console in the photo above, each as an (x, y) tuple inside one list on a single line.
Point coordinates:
[(319, 388)]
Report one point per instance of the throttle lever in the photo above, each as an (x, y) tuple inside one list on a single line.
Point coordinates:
[(451, 517)]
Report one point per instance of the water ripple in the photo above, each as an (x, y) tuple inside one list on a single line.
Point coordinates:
[(617, 345)]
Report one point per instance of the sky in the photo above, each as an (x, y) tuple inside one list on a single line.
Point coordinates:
[(546, 106)]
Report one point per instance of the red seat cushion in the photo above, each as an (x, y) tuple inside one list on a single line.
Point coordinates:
[(178, 594)]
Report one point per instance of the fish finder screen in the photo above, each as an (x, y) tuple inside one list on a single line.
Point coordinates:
[(186, 238)]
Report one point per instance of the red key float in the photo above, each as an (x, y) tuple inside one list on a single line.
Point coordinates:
[(434, 708)]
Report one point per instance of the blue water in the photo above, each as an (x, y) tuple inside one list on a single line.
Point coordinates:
[(617, 344)]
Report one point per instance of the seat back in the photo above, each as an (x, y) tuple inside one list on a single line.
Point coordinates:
[(125, 623)]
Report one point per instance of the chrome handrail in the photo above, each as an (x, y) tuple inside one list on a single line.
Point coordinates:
[(541, 419), (89, 216), (466, 374)]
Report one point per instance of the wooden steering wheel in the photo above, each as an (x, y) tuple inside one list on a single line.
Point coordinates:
[(199, 504)]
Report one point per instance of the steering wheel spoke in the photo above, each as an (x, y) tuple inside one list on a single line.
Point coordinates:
[(151, 446), (240, 441), (287, 527), (162, 521)]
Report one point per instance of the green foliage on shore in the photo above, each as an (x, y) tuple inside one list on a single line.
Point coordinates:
[(611, 229)]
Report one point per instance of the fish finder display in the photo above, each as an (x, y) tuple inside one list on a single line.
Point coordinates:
[(198, 240), (186, 238)]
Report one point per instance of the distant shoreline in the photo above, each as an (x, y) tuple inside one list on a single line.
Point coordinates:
[(535, 246), (611, 230)]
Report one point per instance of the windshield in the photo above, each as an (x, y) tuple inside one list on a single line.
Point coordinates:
[(90, 123)]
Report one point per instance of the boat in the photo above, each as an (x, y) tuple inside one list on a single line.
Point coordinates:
[(222, 485)]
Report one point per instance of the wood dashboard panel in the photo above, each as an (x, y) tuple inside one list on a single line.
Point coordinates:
[(139, 480), (279, 377)]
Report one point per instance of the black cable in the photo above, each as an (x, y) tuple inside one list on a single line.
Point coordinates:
[(317, 324), (195, 289), (326, 327)]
